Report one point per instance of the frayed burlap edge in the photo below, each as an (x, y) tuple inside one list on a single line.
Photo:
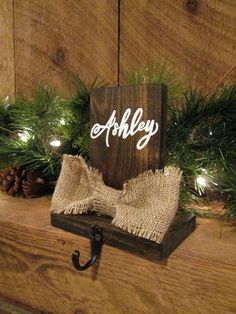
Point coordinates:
[(99, 200), (154, 231)]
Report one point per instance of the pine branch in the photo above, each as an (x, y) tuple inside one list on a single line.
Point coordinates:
[(78, 121), (158, 73), (5, 116), (29, 155), (229, 187), (39, 116), (198, 134)]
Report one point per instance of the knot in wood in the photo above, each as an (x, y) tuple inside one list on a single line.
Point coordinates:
[(59, 56), (192, 6)]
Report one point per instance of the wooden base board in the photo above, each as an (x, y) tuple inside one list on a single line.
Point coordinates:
[(181, 228)]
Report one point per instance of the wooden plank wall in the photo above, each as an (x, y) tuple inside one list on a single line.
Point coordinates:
[(54, 37), (43, 40), (197, 36)]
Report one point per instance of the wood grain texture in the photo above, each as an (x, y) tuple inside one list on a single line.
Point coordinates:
[(122, 160), (54, 37), (35, 269), (7, 71), (198, 37), (9, 306)]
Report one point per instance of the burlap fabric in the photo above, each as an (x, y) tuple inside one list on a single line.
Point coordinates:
[(145, 207)]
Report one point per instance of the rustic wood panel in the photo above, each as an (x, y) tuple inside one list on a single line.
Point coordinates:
[(122, 160), (198, 37), (35, 269), (7, 78), (54, 37)]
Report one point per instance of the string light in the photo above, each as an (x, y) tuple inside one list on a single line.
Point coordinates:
[(55, 143), (201, 181), (6, 102), (23, 136), (200, 184), (62, 121)]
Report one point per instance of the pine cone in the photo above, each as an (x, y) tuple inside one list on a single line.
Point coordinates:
[(33, 184), (10, 180), (14, 181)]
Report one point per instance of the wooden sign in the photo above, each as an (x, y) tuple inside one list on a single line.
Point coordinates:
[(128, 126)]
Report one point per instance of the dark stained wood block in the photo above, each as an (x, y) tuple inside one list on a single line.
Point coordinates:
[(122, 160), (182, 226), (119, 159)]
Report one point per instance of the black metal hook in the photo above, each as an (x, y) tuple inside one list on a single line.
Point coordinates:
[(96, 245)]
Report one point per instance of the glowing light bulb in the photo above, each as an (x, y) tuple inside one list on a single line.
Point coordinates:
[(23, 136), (201, 181), (6, 102), (211, 133), (55, 143), (62, 121)]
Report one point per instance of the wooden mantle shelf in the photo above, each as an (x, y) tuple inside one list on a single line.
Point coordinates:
[(36, 269)]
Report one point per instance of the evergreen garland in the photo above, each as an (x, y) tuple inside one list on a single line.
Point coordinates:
[(158, 73), (77, 121), (29, 127), (201, 134), (201, 141)]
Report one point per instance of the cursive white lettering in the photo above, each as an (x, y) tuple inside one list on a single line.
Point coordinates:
[(123, 129)]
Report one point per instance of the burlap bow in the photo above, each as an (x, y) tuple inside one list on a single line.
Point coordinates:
[(145, 207)]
